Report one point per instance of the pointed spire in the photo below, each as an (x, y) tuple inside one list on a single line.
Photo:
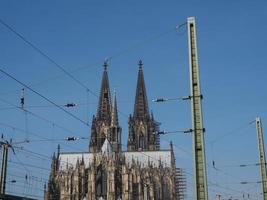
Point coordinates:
[(152, 115), (105, 65), (141, 110), (114, 113), (171, 145), (82, 162), (104, 104), (77, 163), (45, 192), (140, 64), (53, 166), (58, 150)]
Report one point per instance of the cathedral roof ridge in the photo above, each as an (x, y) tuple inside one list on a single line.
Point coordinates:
[(142, 151), (72, 152)]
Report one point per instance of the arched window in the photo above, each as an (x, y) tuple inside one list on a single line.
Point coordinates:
[(167, 189), (135, 191), (141, 141), (101, 182), (157, 189)]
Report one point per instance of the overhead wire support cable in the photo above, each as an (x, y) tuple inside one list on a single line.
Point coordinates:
[(232, 132), (39, 117), (46, 56), (42, 96), (167, 132), (177, 27), (157, 100), (44, 139), (178, 131)]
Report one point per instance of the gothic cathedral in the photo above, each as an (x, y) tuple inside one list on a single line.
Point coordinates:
[(106, 171)]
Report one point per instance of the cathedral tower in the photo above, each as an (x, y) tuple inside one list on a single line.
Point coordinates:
[(142, 127), (105, 125)]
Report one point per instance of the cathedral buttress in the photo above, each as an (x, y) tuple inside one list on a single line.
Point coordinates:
[(142, 127), (105, 123)]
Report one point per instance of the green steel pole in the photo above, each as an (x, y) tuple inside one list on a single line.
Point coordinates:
[(262, 159), (4, 168), (197, 126)]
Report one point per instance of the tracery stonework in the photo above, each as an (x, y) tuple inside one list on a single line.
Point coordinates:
[(143, 172)]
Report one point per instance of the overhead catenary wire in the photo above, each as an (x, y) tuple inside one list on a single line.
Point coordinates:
[(87, 122), (38, 135), (62, 68), (47, 99), (212, 184), (33, 46), (37, 49), (32, 185), (68, 105), (211, 167), (233, 177), (35, 134), (44, 139), (176, 28), (216, 185), (38, 179), (234, 131), (243, 165), (42, 96), (39, 117), (30, 166), (18, 169), (45, 55)]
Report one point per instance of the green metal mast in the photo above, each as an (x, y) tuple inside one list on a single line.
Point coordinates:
[(5, 147), (262, 159), (197, 126)]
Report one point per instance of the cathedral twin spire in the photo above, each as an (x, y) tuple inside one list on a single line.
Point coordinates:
[(141, 110), (142, 127), (106, 125), (104, 104)]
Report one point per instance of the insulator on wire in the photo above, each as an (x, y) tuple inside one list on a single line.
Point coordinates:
[(70, 105), (159, 100), (71, 138), (161, 132), (22, 99)]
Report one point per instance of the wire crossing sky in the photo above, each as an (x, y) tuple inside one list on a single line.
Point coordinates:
[(60, 54)]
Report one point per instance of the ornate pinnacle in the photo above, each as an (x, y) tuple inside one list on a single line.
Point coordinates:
[(105, 65), (140, 64)]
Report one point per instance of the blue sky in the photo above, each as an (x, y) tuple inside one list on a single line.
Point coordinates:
[(79, 35)]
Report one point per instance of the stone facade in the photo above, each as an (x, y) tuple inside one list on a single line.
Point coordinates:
[(143, 172)]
